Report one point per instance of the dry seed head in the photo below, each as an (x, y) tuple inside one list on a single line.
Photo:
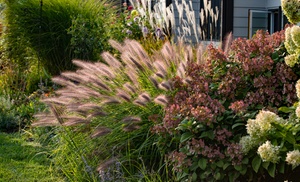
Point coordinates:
[(73, 120), (100, 131), (161, 100), (116, 45), (102, 69), (140, 102), (84, 64), (63, 81), (123, 94), (160, 66), (145, 96), (111, 60), (56, 100), (45, 119), (89, 106), (72, 76), (165, 85), (110, 101), (154, 81), (131, 60), (132, 119), (129, 88), (160, 75), (131, 127), (132, 75)]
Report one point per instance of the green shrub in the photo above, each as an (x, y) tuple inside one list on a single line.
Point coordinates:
[(17, 114), (55, 29), (8, 121)]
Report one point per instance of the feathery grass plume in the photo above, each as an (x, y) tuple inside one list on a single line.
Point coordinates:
[(93, 87), (105, 165), (132, 119), (131, 127), (116, 45), (111, 60), (95, 104), (100, 131), (45, 119), (227, 42), (162, 100), (73, 120), (123, 94)]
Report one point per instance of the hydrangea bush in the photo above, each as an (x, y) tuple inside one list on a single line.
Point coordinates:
[(272, 141), (204, 121), (291, 9)]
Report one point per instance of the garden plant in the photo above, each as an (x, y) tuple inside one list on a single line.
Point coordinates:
[(151, 109)]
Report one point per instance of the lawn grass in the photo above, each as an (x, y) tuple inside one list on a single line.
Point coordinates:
[(25, 161)]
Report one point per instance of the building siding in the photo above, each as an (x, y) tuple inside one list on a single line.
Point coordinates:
[(240, 13), (240, 17)]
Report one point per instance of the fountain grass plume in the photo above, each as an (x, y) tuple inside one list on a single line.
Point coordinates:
[(113, 102), (136, 81)]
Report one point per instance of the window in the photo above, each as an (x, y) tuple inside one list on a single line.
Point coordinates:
[(271, 20)]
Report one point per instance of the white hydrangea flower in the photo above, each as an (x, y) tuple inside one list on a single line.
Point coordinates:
[(269, 152), (293, 158), (265, 118), (295, 33), (253, 128), (298, 111), (289, 43), (262, 124), (248, 143), (291, 59), (291, 8), (298, 89)]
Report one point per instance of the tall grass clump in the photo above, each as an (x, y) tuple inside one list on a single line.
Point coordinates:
[(56, 30), (113, 105)]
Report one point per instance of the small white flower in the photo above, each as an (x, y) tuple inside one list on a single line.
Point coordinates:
[(293, 158), (298, 111), (269, 152), (248, 143), (265, 118), (253, 128), (298, 89)]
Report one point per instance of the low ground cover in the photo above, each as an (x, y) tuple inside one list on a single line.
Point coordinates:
[(22, 159)]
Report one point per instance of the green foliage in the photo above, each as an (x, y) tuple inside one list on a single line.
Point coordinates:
[(17, 114), (291, 10), (273, 146), (25, 160), (8, 120), (53, 30), (205, 119), (134, 23)]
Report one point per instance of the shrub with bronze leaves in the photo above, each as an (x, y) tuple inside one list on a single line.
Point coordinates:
[(205, 119)]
